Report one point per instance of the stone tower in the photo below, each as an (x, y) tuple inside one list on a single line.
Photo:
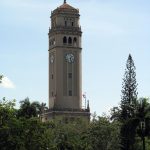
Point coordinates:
[(65, 64)]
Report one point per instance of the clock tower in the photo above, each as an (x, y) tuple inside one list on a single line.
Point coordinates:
[(65, 64)]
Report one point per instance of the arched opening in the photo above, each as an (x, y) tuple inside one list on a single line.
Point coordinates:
[(72, 23), (75, 41), (70, 40), (54, 42), (51, 42), (65, 23), (64, 40)]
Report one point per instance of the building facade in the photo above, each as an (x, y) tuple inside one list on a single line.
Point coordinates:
[(65, 64)]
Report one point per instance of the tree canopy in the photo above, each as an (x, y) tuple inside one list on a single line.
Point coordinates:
[(22, 129)]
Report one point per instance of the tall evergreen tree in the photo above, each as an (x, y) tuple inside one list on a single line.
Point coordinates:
[(129, 90), (128, 105)]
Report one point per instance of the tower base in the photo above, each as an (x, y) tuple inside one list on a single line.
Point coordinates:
[(65, 114)]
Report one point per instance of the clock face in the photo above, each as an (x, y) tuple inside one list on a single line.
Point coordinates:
[(52, 59), (69, 58)]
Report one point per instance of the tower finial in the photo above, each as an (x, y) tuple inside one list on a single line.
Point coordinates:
[(64, 1)]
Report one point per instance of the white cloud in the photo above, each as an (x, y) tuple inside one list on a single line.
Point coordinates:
[(6, 83)]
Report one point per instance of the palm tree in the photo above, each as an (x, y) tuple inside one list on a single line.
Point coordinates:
[(140, 122), (28, 109), (143, 116), (42, 108)]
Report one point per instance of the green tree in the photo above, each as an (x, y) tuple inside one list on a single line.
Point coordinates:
[(42, 107), (7, 111), (129, 91), (128, 104), (28, 109), (143, 119), (7, 114), (103, 134), (69, 136), (139, 124)]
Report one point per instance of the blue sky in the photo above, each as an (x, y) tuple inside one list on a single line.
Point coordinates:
[(111, 30)]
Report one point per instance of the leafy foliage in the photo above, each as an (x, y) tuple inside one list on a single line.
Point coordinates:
[(29, 110), (103, 134), (7, 111), (27, 132)]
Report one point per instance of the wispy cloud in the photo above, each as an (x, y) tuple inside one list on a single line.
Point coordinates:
[(7, 83)]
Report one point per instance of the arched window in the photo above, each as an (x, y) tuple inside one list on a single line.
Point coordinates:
[(75, 41), (64, 40), (51, 43), (70, 40), (54, 42), (72, 23)]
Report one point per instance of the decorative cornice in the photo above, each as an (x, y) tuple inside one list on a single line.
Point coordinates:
[(67, 110), (62, 30), (64, 47), (51, 33)]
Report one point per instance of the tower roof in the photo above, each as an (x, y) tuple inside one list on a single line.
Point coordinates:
[(66, 6)]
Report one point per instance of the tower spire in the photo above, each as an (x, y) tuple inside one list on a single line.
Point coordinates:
[(64, 1)]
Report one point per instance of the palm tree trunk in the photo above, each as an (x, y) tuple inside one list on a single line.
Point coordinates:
[(143, 140)]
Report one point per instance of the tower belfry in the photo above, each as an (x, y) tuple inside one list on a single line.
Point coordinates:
[(65, 60)]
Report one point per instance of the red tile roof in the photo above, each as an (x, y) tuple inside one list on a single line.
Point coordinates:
[(66, 6)]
